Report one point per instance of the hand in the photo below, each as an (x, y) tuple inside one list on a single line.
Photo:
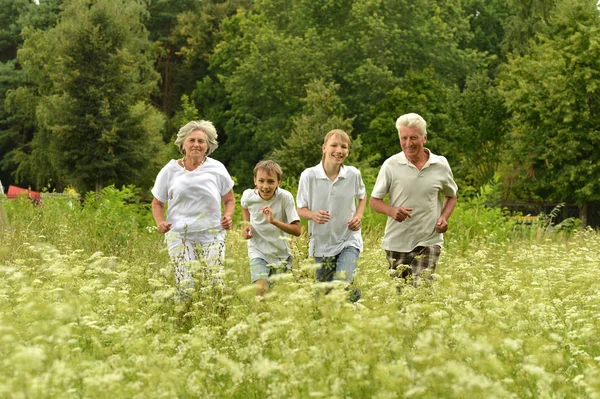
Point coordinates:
[(226, 223), (442, 225), (400, 214), (247, 232), (268, 212), (355, 223), (321, 217), (164, 227)]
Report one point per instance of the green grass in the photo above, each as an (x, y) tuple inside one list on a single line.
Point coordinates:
[(86, 310)]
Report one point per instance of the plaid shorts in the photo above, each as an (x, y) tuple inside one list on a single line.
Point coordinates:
[(414, 262)]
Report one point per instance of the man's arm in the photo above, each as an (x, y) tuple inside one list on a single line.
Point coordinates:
[(442, 223), (399, 214)]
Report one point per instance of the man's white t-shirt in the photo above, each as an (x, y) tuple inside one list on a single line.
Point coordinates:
[(268, 242), (423, 190), (316, 192), (193, 197)]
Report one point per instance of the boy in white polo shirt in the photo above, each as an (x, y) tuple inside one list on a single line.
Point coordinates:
[(272, 216), (332, 197)]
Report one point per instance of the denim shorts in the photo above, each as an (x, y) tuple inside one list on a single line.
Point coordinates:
[(338, 267), (261, 270)]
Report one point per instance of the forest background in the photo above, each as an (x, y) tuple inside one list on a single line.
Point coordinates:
[(93, 92)]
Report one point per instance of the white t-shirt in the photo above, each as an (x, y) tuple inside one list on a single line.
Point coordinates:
[(193, 197), (268, 242), (316, 192), (423, 190)]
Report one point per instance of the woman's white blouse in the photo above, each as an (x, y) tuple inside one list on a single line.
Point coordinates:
[(193, 197)]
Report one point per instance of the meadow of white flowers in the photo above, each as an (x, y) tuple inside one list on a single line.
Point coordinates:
[(512, 317)]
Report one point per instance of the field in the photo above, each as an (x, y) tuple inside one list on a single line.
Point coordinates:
[(87, 310)]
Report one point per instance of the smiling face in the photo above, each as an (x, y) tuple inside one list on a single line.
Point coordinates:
[(335, 150), (266, 183), (195, 144), (411, 141)]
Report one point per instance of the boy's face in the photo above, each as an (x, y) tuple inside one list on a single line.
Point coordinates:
[(266, 183)]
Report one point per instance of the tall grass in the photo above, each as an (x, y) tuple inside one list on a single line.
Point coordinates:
[(87, 310)]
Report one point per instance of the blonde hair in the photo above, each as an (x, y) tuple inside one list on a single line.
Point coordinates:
[(337, 133), (205, 126), (269, 167)]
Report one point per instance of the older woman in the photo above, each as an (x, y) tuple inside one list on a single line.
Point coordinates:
[(194, 187)]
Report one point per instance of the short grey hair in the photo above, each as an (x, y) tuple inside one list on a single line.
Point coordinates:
[(206, 126), (412, 120)]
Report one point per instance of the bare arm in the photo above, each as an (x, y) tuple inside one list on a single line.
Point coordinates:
[(399, 214), (158, 212), (320, 217), (290, 228), (247, 228), (229, 208), (356, 222), (442, 223)]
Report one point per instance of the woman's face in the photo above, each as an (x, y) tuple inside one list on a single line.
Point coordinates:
[(336, 149), (195, 144)]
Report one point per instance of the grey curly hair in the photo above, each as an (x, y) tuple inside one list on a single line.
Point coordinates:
[(206, 126)]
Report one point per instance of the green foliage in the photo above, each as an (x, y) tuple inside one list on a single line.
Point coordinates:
[(420, 92), (322, 112), (94, 72), (553, 94), (10, 28), (525, 21), (270, 53), (477, 127)]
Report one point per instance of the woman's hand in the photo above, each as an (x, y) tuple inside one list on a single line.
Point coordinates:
[(164, 227), (226, 223)]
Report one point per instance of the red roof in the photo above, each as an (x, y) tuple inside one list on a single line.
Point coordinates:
[(14, 192)]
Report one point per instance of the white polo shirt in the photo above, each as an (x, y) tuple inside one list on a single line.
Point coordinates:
[(316, 192), (268, 242), (423, 190), (194, 197)]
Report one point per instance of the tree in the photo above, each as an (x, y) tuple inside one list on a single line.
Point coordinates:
[(419, 92), (10, 28), (268, 54), (321, 113), (526, 20), (477, 127), (94, 74), (554, 94)]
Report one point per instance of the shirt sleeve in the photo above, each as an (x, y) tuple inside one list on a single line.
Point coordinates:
[(450, 187), (360, 190), (244, 200), (291, 213), (382, 184), (227, 182), (160, 191), (302, 196)]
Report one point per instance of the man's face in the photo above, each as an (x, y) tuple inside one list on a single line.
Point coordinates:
[(411, 140), (266, 183)]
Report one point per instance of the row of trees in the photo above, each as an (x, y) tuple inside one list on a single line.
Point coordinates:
[(92, 91)]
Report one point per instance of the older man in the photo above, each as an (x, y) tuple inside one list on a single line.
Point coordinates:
[(422, 196)]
